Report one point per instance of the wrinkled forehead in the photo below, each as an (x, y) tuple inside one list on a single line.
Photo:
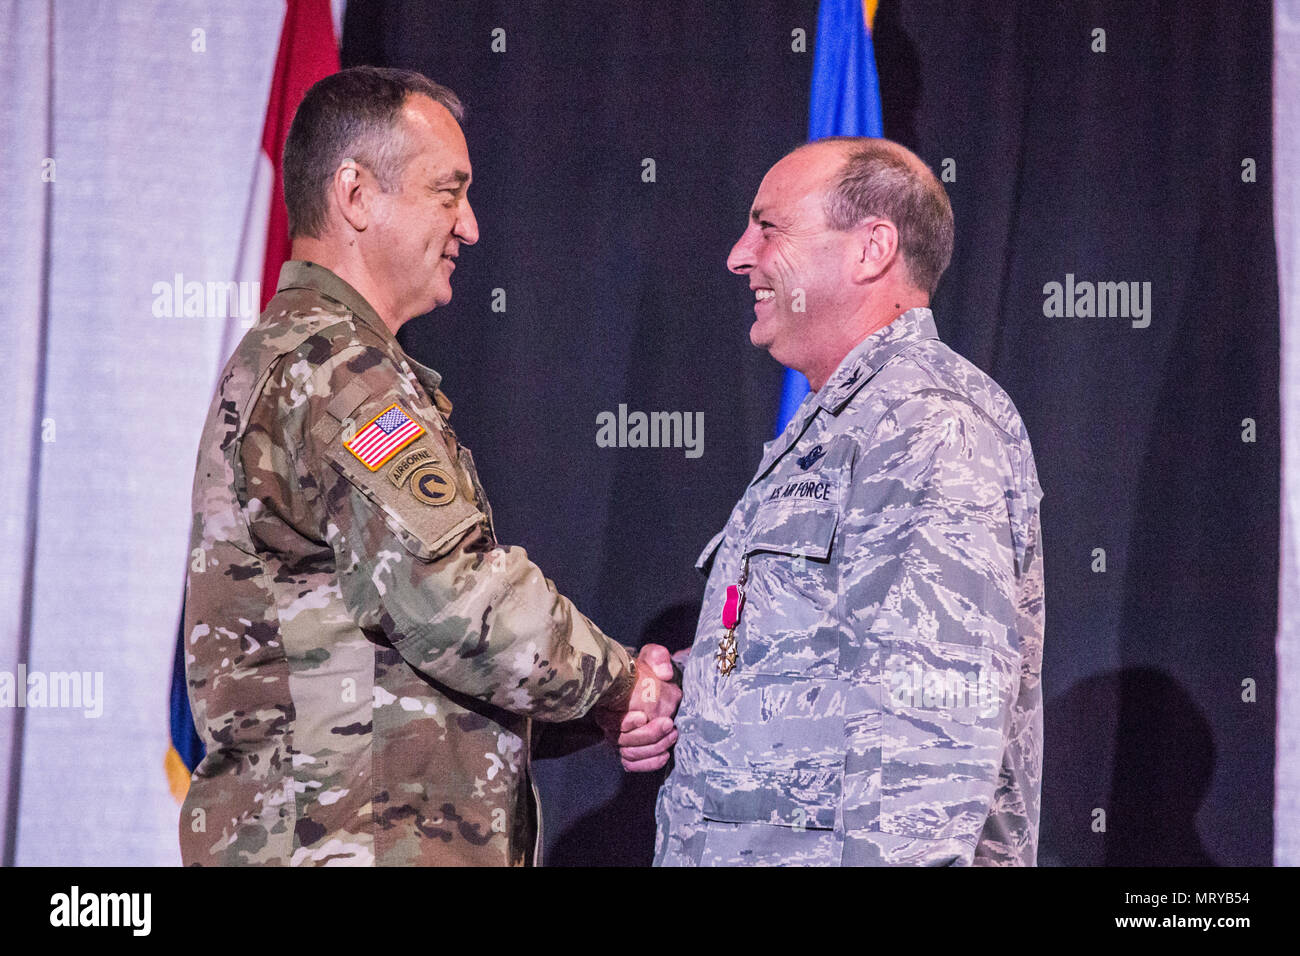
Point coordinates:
[(796, 185)]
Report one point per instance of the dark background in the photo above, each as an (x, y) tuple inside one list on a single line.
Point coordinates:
[(1115, 166)]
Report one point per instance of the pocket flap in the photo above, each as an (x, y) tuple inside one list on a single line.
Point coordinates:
[(427, 525), (798, 529), (801, 799)]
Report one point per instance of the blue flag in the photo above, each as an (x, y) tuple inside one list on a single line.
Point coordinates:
[(187, 749), (845, 101)]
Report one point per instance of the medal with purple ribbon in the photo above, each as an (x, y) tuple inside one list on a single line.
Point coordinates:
[(732, 606)]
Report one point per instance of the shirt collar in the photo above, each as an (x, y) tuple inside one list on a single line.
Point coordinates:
[(301, 274), (863, 361), (869, 356)]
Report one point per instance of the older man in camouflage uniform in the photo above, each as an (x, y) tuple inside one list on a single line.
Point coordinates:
[(364, 660), (864, 684)]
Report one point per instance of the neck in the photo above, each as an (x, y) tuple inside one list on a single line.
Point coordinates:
[(849, 335), (347, 262)]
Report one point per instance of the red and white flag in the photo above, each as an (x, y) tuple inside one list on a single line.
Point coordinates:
[(308, 52), (387, 433)]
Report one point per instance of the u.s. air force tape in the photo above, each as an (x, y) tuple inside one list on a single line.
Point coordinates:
[(432, 485)]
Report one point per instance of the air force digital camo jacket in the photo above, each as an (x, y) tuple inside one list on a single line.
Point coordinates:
[(885, 703)]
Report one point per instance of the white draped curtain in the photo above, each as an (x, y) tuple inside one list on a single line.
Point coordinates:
[(129, 143), (1286, 220)]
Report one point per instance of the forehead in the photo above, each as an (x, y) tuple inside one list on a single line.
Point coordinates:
[(796, 186), (435, 137)]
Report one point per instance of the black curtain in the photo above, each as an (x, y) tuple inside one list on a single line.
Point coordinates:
[(1123, 165)]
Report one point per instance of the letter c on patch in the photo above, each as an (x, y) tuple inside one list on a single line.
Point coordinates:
[(432, 485)]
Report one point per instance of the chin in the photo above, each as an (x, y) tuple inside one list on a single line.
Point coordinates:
[(777, 352), (439, 298)]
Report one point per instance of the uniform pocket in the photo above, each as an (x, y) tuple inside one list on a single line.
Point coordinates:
[(775, 728), (753, 819), (426, 530), (801, 528), (789, 623), (799, 799), (945, 710)]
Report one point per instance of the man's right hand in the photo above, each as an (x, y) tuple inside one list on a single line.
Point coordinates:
[(644, 732)]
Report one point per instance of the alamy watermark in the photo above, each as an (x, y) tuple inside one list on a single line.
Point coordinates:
[(62, 689), (1103, 300), (130, 910), (651, 430), (207, 300), (912, 685)]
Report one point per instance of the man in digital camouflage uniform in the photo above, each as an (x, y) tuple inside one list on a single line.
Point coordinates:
[(864, 684), (364, 660)]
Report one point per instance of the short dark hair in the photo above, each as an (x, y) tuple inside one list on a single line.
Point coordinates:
[(355, 113), (880, 178)]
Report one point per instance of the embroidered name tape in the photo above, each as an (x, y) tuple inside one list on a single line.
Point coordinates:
[(805, 489), (384, 436)]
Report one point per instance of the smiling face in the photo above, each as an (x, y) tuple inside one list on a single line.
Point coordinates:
[(798, 266), (420, 226)]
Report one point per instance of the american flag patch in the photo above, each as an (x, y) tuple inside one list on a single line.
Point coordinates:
[(388, 433)]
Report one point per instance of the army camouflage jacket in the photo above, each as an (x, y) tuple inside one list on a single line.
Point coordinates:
[(884, 705), (363, 659)]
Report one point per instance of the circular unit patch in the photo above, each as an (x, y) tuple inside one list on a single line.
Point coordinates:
[(432, 485)]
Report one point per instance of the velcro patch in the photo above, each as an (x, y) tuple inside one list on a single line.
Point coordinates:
[(384, 436)]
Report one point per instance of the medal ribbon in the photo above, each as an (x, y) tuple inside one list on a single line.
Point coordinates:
[(732, 606)]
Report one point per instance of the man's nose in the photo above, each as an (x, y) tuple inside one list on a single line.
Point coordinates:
[(466, 224), (741, 259)]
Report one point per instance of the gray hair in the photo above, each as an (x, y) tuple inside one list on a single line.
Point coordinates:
[(352, 114), (881, 178)]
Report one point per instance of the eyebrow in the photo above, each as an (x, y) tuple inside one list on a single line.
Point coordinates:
[(459, 176)]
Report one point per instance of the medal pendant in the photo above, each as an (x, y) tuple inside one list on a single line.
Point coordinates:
[(726, 656), (732, 605)]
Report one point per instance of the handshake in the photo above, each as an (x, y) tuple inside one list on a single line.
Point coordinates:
[(644, 732)]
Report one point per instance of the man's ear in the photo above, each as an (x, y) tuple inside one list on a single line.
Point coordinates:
[(351, 190), (876, 249)]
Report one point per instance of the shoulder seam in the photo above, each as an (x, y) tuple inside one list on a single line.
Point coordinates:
[(965, 400)]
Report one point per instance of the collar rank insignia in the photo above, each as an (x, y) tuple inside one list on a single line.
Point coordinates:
[(384, 436)]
